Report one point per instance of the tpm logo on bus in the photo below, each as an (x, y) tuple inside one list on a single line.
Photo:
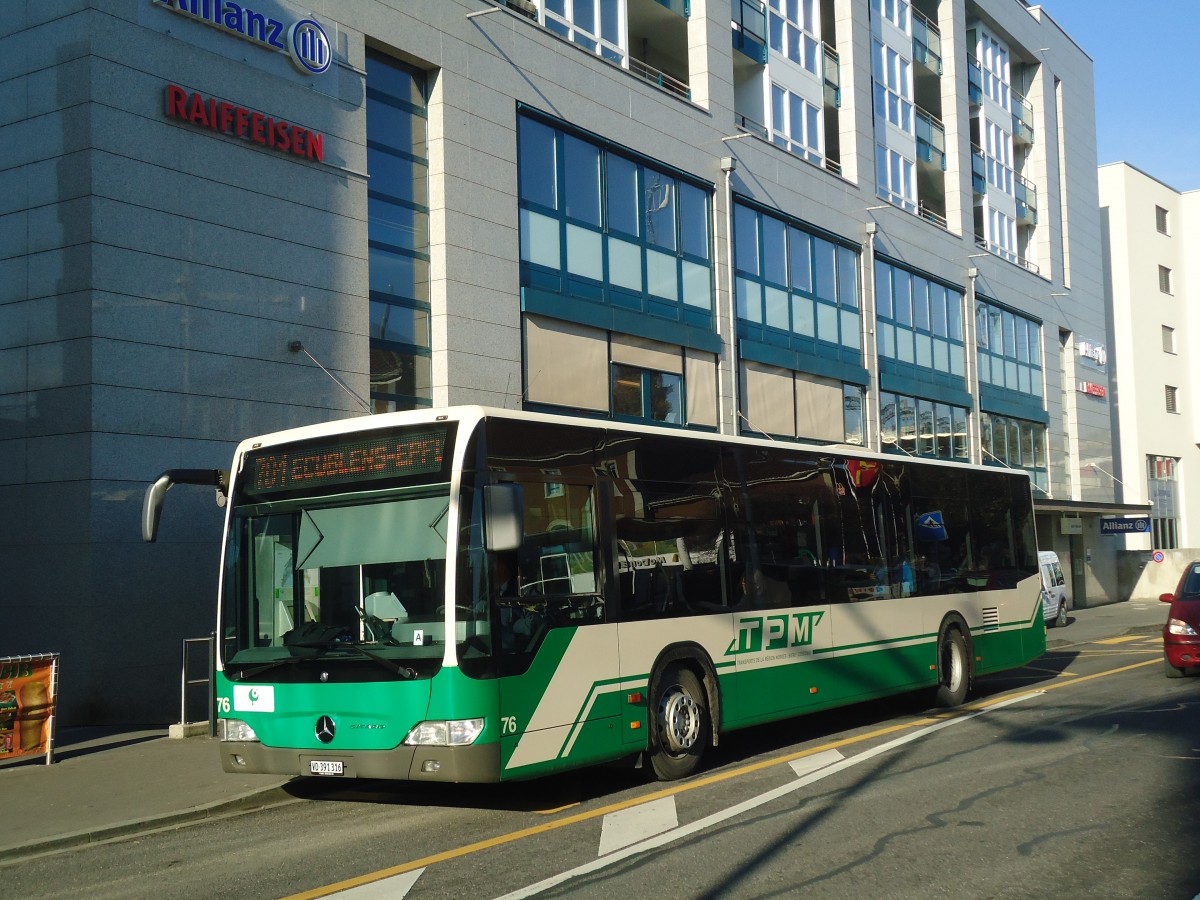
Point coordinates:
[(758, 634)]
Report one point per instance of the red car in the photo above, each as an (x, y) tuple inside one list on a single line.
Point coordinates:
[(1181, 634)]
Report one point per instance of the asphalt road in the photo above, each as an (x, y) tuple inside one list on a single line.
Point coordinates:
[(1074, 777)]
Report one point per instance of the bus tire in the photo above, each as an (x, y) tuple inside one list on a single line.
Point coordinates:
[(680, 730), (953, 669)]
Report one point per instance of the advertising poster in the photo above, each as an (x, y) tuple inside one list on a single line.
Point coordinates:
[(28, 685)]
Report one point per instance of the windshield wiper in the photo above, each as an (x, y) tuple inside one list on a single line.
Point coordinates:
[(324, 638), (247, 674), (324, 646)]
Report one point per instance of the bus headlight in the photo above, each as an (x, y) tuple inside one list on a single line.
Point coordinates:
[(235, 730), (452, 733)]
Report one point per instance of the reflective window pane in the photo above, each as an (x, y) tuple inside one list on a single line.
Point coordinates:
[(622, 196)]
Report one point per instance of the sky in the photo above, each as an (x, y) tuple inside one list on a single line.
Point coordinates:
[(1147, 86)]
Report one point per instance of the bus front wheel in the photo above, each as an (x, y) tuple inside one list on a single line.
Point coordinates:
[(680, 729), (954, 670)]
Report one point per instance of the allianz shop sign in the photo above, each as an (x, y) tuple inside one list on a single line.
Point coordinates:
[(304, 40)]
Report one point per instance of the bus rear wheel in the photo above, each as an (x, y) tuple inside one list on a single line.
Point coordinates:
[(954, 670), (680, 726)]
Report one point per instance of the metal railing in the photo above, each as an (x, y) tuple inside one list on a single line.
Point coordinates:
[(927, 42), (660, 79), (185, 682)]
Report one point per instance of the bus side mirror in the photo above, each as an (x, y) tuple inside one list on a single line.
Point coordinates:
[(504, 515), (155, 493)]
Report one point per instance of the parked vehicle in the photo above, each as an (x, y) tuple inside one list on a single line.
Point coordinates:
[(1181, 634), (1055, 602)]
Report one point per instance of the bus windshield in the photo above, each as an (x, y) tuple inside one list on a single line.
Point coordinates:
[(339, 580)]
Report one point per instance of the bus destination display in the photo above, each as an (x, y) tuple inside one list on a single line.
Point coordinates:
[(340, 462)]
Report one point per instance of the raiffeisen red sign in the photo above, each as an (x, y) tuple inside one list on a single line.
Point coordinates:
[(237, 121)]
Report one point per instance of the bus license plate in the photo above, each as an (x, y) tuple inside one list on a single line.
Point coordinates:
[(325, 767)]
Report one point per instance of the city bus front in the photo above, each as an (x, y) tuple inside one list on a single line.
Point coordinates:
[(338, 651)]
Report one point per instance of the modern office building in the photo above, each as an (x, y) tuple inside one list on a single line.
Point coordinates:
[(1148, 229), (871, 222)]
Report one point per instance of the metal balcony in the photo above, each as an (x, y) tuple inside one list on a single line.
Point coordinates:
[(750, 29), (931, 139), (1022, 119), (974, 81), (831, 73), (927, 42), (1026, 192)]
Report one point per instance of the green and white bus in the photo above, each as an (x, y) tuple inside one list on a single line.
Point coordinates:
[(479, 595)]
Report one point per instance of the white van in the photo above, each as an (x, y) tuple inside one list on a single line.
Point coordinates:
[(1055, 602)]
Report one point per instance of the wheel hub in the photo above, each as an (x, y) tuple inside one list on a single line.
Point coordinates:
[(680, 717)]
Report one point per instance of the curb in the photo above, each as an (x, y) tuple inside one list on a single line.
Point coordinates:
[(260, 799)]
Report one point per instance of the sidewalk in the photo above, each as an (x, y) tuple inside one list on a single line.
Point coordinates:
[(107, 782)]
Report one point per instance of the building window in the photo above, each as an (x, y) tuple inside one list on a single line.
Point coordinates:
[(898, 12), (1008, 349), (893, 88), (1016, 444), (1164, 279), (918, 321), (602, 227), (796, 124), (795, 284), (1168, 339), (1172, 399), (1160, 220), (1163, 492), (916, 426), (994, 66), (644, 396), (398, 235), (895, 178), (852, 414), (794, 31), (592, 24)]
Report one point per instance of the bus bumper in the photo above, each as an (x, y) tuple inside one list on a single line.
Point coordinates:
[(479, 764)]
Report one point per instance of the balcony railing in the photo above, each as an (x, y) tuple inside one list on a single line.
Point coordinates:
[(974, 80), (931, 139), (679, 7), (927, 42), (661, 79), (1008, 255), (748, 125), (1026, 192), (978, 170), (1022, 119), (526, 8), (831, 72), (930, 216), (750, 29)]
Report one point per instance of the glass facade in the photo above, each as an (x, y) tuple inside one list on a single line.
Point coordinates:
[(398, 235), (792, 283), (1015, 443), (602, 227), (1009, 350), (919, 324), (917, 426)]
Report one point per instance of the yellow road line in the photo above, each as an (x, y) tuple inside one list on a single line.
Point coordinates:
[(1120, 640), (523, 833)]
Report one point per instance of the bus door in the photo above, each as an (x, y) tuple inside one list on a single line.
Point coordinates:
[(558, 654)]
